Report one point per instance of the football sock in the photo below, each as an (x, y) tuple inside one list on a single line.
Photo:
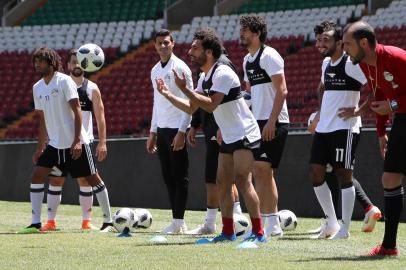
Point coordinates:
[(237, 208), (36, 197), (323, 195), (54, 196), (211, 215), (360, 194), (393, 208), (257, 226), (86, 202), (347, 205), (228, 226), (103, 198)]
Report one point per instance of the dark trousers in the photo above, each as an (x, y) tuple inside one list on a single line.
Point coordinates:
[(174, 167)]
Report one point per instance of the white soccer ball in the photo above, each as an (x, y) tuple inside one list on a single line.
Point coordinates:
[(144, 218), (288, 220), (124, 218), (247, 98), (241, 224), (90, 57)]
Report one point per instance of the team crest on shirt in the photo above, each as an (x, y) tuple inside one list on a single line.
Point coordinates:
[(54, 92), (389, 77)]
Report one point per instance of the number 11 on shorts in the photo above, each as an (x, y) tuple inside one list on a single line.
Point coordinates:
[(339, 154)]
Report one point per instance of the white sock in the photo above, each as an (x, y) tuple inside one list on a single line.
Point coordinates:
[(273, 221), (86, 202), (211, 215), (323, 195), (237, 208), (178, 222), (103, 198), (36, 197), (347, 205), (54, 196), (264, 219)]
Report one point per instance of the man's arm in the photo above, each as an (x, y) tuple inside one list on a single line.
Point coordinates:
[(42, 137), (76, 148), (98, 109)]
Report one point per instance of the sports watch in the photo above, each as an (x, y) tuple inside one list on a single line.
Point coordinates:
[(393, 105)]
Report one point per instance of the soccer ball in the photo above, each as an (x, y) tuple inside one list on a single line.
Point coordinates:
[(144, 218), (124, 218), (247, 98), (288, 220), (241, 224), (90, 57)]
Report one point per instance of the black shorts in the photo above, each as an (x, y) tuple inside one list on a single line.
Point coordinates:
[(60, 160), (395, 157), (337, 148), (271, 151), (240, 144), (212, 155)]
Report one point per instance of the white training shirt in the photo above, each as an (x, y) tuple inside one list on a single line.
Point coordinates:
[(164, 114), (234, 118), (53, 99), (263, 95), (333, 100), (87, 117)]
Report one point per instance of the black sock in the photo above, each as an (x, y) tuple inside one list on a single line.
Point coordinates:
[(360, 194), (393, 209)]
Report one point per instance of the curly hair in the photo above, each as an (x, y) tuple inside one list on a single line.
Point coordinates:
[(256, 24), (50, 56), (210, 41), (326, 26), (72, 52)]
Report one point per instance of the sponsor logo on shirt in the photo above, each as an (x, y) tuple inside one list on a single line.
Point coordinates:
[(389, 77), (332, 75), (54, 92)]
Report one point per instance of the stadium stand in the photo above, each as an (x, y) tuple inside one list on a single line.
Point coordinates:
[(77, 11), (125, 84)]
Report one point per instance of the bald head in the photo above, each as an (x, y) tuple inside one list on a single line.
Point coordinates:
[(359, 30)]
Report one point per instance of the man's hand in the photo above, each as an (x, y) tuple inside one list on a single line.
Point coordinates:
[(219, 137), (180, 82), (179, 141), (76, 149), (151, 143), (313, 124), (347, 113), (381, 107), (383, 142), (191, 136), (268, 133), (162, 88), (36, 155), (101, 151)]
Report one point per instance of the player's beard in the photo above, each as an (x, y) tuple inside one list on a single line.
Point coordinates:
[(200, 60), (358, 57), (244, 43), (329, 52), (76, 72)]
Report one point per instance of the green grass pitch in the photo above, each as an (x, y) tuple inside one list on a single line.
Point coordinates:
[(69, 248)]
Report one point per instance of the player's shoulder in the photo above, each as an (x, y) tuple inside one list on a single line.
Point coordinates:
[(38, 84), (270, 52), (391, 51), (326, 60), (155, 67), (92, 85), (62, 76), (179, 63)]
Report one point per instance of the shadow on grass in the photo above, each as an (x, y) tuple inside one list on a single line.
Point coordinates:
[(345, 258)]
